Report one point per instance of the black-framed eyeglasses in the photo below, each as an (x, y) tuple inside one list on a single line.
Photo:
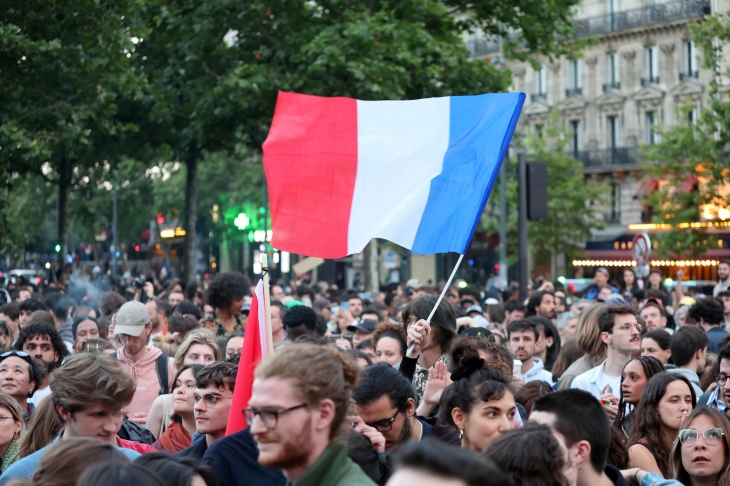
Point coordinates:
[(721, 379), (209, 399), (712, 435), (384, 425), (268, 417)]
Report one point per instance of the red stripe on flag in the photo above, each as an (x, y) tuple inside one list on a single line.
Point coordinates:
[(310, 159), (251, 355)]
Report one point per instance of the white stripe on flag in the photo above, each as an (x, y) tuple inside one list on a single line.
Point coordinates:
[(263, 335), (400, 148)]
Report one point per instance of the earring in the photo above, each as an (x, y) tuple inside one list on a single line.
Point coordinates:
[(15, 435), (461, 433)]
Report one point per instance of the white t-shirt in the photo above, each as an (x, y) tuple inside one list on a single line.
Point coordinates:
[(614, 382), (39, 395)]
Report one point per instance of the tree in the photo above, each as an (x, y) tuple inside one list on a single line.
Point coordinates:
[(63, 65), (691, 159), (574, 201)]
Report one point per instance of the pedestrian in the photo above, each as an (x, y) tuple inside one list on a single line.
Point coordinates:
[(702, 453), (524, 339), (198, 348), (44, 426), (64, 463), (151, 370), (363, 330), (26, 308), (548, 345), (429, 463), (160, 313), (541, 304), (211, 402), (588, 338), (385, 400), (89, 392), (389, 343), (621, 333), (600, 278), (234, 345), (177, 434), (226, 295), (20, 377), (723, 278), (431, 341), (295, 413), (43, 343), (300, 321), (689, 353), (666, 401), (480, 402), (567, 322), (634, 377), (657, 343), (85, 328), (532, 456), (12, 430), (709, 314), (119, 474), (178, 471), (630, 284)]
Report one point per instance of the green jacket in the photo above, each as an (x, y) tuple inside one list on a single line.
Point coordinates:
[(334, 468)]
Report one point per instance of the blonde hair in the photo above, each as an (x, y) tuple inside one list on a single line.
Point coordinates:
[(165, 343), (588, 334), (17, 414), (676, 468), (319, 372), (44, 426), (195, 338)]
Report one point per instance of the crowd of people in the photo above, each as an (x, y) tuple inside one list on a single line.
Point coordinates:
[(626, 383)]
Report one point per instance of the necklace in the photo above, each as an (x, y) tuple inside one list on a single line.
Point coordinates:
[(420, 436)]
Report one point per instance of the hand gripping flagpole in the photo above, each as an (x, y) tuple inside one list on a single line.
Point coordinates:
[(446, 287), (267, 306)]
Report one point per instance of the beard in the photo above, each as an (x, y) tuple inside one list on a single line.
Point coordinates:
[(293, 450), (405, 433)]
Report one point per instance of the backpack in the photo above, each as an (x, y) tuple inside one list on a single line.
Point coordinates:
[(162, 376), (135, 432)]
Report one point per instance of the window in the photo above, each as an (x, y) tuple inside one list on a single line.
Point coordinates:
[(613, 135), (690, 59), (651, 136), (651, 65), (574, 75), (575, 133), (540, 82), (615, 210), (538, 130), (693, 115), (613, 10), (612, 70)]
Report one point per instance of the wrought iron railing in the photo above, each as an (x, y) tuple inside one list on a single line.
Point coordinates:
[(596, 159), (573, 92)]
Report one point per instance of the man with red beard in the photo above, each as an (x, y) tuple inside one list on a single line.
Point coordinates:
[(299, 401)]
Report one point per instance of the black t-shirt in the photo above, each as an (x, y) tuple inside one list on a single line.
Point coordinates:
[(235, 461), (615, 476), (196, 450)]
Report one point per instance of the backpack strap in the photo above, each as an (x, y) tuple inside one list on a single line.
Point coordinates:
[(162, 375)]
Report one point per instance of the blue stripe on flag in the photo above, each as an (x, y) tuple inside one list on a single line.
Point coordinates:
[(481, 130)]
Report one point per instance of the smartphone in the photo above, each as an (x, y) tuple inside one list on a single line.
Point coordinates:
[(517, 367)]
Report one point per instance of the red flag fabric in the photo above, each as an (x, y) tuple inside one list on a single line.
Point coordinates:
[(255, 349)]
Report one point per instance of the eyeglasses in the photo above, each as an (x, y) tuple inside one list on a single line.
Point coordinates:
[(688, 437), (721, 379), (384, 425), (3, 419), (268, 417), (627, 326), (209, 399)]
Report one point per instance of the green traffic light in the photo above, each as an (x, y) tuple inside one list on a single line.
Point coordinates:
[(241, 222), (58, 248)]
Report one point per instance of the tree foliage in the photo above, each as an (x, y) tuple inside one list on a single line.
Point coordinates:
[(691, 159)]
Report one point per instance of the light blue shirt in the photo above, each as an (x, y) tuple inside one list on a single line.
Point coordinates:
[(652, 479), (26, 467)]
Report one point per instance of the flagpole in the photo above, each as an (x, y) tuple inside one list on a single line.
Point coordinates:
[(267, 306), (443, 292)]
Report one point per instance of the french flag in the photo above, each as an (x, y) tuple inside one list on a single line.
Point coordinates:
[(342, 171)]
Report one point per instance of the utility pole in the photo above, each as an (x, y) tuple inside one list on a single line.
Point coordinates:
[(503, 225), (522, 190), (115, 243)]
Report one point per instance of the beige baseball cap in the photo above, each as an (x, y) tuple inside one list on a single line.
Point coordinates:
[(131, 319)]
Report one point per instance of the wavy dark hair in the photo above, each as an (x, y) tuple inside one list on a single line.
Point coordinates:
[(472, 382), (646, 426), (651, 366), (443, 322), (549, 330)]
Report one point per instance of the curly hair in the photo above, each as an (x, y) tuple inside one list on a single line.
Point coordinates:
[(43, 330), (393, 331), (298, 315), (651, 366), (226, 288), (530, 455), (646, 427)]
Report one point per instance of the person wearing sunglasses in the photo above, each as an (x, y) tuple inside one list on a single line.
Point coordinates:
[(702, 453), (211, 404), (20, 377)]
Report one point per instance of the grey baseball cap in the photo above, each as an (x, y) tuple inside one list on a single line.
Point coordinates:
[(131, 319)]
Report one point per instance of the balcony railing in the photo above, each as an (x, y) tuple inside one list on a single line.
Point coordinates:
[(642, 17), (612, 22), (572, 92), (606, 158), (650, 81), (689, 76), (611, 86)]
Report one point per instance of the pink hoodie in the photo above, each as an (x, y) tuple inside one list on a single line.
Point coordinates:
[(144, 374)]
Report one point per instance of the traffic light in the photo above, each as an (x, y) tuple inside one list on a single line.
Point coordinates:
[(57, 247), (160, 218), (241, 222)]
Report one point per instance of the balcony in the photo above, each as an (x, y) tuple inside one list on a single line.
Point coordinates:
[(650, 81), (689, 76), (538, 97), (615, 86), (573, 92), (607, 158), (480, 46), (642, 17)]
